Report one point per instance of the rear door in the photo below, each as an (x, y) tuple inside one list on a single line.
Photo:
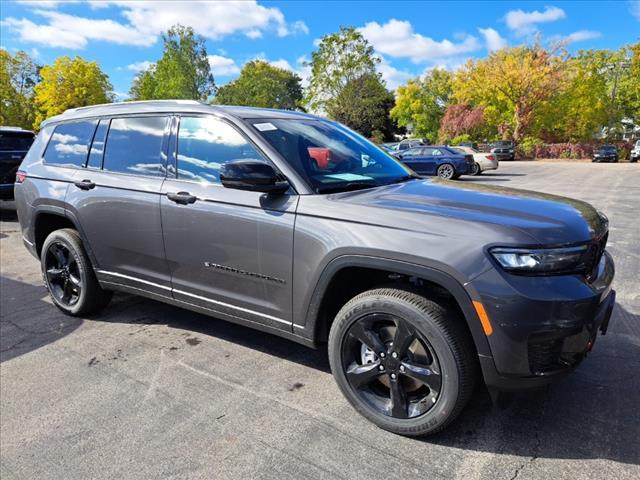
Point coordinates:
[(116, 200), (230, 251)]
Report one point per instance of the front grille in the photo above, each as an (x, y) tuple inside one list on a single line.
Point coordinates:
[(544, 355)]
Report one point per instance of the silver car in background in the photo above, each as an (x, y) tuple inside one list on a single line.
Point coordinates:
[(483, 161)]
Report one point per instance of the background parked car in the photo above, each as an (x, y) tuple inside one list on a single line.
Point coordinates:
[(504, 150), (482, 161), (437, 160), (14, 145), (408, 143), (605, 153), (635, 152), (389, 147)]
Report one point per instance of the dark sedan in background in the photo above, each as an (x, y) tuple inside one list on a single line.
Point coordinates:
[(442, 161), (605, 153), (14, 145)]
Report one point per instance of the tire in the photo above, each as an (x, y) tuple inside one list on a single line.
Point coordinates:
[(475, 169), (438, 335), (446, 171), (68, 275)]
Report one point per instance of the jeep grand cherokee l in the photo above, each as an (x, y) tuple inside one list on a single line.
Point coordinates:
[(297, 226)]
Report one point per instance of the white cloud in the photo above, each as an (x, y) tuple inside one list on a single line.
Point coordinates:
[(147, 19), (391, 75), (396, 38), (282, 63), (634, 8), (579, 36), (40, 3), (139, 66), (493, 39), (69, 31), (525, 23), (223, 66), (582, 35)]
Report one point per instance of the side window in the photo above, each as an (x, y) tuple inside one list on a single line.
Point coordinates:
[(428, 151), (205, 143), (97, 146), (134, 145), (436, 152), (69, 144)]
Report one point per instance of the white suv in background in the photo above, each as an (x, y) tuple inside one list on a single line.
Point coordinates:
[(635, 152), (482, 161)]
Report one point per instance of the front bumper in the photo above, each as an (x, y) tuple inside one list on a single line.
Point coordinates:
[(542, 326)]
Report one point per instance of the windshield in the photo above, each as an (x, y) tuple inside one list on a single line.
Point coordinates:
[(329, 156)]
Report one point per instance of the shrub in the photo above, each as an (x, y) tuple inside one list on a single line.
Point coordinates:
[(465, 137), (527, 148)]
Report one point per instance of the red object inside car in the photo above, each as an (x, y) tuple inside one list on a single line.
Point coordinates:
[(321, 156)]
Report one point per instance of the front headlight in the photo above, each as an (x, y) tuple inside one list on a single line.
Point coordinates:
[(544, 260)]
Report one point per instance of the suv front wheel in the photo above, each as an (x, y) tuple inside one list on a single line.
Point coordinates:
[(403, 361), (69, 276)]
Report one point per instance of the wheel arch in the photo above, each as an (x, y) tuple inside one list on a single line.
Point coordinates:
[(318, 317)]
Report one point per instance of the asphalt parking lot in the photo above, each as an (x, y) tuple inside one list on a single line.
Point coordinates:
[(147, 390)]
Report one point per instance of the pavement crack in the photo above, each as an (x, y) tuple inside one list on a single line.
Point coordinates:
[(538, 441)]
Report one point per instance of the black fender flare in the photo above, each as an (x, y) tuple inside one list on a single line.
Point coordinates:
[(462, 296)]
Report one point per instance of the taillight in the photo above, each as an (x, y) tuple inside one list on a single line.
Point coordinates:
[(20, 176), (491, 157)]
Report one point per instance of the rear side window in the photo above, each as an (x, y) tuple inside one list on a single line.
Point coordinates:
[(205, 143), (97, 147), (69, 144), (135, 145), (15, 141)]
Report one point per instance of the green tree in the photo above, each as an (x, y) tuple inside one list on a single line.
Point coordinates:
[(18, 76), (513, 85), (183, 72), (364, 104), (341, 57), (261, 84), (421, 103), (144, 85), (69, 83)]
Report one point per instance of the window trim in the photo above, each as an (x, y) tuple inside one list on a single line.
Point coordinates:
[(55, 127), (107, 120)]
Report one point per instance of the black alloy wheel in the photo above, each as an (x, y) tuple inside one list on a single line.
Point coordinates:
[(391, 366), (62, 274), (403, 361), (69, 276), (475, 169)]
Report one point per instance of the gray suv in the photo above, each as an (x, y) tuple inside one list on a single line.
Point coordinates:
[(297, 226)]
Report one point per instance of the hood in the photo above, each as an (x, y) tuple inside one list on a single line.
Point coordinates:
[(545, 219)]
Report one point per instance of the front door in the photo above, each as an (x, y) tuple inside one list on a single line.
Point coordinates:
[(229, 251)]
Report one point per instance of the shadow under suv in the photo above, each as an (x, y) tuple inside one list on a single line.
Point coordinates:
[(299, 227)]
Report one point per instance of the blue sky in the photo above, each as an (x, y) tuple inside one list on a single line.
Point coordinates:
[(409, 37)]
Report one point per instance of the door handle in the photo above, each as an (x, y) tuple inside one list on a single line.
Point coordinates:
[(85, 185), (183, 198)]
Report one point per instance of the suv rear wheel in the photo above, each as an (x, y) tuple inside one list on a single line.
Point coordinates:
[(403, 361), (69, 276)]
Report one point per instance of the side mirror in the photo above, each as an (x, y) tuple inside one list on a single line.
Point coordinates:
[(252, 176)]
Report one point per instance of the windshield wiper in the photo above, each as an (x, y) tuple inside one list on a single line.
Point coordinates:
[(347, 186)]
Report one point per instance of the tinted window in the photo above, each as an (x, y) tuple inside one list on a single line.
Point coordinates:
[(134, 145), (97, 147), (69, 144), (15, 140), (205, 143)]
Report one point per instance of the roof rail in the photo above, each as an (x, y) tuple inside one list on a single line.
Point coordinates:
[(136, 102)]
